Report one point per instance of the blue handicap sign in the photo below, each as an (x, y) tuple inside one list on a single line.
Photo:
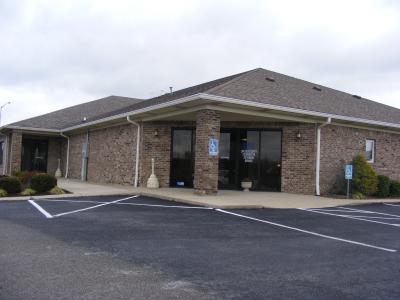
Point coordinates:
[(213, 147), (349, 172)]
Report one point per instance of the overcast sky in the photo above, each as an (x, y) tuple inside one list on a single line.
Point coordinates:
[(55, 54)]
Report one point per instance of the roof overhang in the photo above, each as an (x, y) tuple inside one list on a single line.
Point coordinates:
[(231, 110)]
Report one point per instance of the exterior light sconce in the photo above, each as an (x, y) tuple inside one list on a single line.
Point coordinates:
[(156, 133), (298, 135)]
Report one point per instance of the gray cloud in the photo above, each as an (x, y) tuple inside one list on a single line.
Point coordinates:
[(59, 54)]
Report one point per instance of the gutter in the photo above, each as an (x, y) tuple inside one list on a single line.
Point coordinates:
[(67, 162), (318, 158), (128, 118)]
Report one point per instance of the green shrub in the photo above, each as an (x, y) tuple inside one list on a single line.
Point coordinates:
[(24, 176), (395, 188), (3, 193), (57, 191), (10, 184), (43, 182), (365, 179), (383, 186), (358, 196), (28, 192)]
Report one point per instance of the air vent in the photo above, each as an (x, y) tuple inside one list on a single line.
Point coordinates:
[(270, 79), (357, 97), (316, 88)]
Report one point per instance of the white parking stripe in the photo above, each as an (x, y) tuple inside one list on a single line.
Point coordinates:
[(95, 206), (134, 204), (306, 231), (349, 217), (370, 212), (39, 208), (391, 204)]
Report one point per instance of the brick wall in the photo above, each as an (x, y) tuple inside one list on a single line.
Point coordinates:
[(159, 148), (206, 166), (16, 151), (75, 155), (340, 144), (112, 154)]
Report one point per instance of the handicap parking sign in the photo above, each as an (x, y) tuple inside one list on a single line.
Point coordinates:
[(349, 172), (213, 145)]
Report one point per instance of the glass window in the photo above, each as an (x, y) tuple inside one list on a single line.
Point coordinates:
[(370, 150)]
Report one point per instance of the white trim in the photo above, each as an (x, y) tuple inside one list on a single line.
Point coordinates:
[(297, 110), (32, 129), (137, 150), (209, 97), (318, 158), (372, 160), (67, 162)]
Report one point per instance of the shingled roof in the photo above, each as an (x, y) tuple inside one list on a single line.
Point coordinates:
[(258, 86), (263, 86), (75, 114)]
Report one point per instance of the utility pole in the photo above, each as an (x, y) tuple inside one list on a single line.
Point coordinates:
[(1, 109)]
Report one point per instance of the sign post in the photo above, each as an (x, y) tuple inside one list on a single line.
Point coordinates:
[(348, 176)]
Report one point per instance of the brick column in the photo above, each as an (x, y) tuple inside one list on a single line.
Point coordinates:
[(16, 151), (206, 166)]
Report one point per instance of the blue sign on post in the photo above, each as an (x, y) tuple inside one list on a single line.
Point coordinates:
[(349, 172), (213, 146)]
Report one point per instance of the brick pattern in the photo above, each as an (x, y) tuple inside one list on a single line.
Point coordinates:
[(16, 151), (159, 148), (298, 159), (112, 154), (340, 144), (205, 166), (75, 155)]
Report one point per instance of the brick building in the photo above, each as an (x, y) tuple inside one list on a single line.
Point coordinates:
[(280, 133)]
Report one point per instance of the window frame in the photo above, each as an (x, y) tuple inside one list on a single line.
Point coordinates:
[(372, 160)]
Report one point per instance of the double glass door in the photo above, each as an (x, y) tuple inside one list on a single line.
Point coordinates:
[(250, 155)]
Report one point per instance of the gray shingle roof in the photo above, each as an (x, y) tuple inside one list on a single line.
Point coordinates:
[(258, 85), (74, 115), (295, 93), (283, 91)]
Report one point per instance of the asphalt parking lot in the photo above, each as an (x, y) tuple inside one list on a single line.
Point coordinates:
[(145, 248)]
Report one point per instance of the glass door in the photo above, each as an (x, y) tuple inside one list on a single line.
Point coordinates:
[(260, 159), (34, 155), (182, 158), (270, 161), (227, 170)]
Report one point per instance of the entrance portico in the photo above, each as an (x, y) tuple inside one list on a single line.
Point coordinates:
[(275, 154)]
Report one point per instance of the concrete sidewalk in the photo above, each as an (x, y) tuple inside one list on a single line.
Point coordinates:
[(224, 199)]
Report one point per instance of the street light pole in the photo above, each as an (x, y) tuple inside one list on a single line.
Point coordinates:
[(1, 109)]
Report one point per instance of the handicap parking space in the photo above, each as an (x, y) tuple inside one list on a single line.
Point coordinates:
[(202, 253)]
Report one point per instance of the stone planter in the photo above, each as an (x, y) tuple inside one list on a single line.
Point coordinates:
[(246, 185)]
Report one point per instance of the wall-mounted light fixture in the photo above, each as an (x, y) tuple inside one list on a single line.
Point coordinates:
[(156, 132), (298, 134)]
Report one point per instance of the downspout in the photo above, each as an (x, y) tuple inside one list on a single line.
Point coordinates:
[(67, 162), (128, 118), (318, 159)]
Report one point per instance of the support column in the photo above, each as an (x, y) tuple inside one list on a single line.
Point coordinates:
[(15, 151), (206, 166)]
